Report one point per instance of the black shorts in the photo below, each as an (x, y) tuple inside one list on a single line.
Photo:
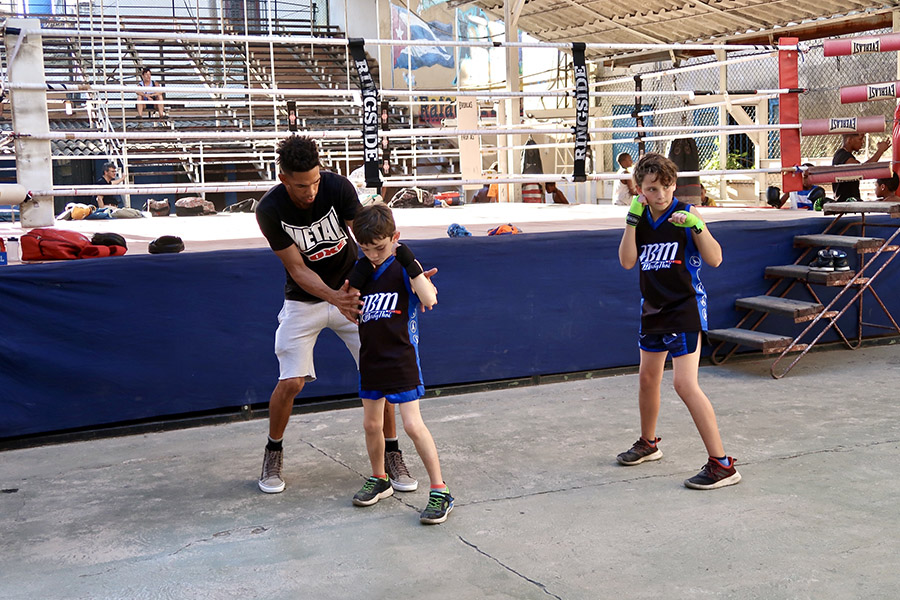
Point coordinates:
[(679, 344)]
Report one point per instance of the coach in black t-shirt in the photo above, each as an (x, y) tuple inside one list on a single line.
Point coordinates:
[(853, 143), (306, 220)]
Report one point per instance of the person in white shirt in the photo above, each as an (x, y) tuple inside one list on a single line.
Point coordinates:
[(624, 189)]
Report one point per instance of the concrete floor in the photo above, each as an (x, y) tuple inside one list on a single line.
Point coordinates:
[(542, 508)]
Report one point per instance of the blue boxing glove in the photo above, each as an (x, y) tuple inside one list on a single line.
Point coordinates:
[(635, 212), (692, 221)]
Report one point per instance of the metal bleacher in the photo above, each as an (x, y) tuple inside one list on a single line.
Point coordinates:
[(94, 61)]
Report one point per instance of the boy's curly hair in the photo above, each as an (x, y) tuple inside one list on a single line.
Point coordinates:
[(297, 154), (665, 170), (372, 223)]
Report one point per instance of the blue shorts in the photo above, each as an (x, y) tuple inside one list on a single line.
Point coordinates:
[(397, 398), (679, 344)]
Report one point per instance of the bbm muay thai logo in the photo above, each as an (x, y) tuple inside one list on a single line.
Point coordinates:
[(379, 306), (320, 240), (658, 256)]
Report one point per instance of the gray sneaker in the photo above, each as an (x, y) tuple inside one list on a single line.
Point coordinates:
[(270, 480), (397, 472)]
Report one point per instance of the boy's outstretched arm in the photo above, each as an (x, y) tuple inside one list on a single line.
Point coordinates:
[(419, 280), (628, 246), (710, 250)]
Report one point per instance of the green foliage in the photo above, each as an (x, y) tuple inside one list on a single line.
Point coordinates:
[(735, 160)]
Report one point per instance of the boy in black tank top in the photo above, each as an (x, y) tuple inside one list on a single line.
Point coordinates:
[(670, 241), (389, 368)]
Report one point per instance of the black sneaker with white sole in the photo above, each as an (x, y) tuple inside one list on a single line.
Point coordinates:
[(438, 509), (713, 475), (641, 451), (373, 490), (839, 260), (824, 261)]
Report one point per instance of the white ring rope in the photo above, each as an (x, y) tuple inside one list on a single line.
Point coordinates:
[(217, 95), (311, 40), (234, 91), (691, 107), (258, 186), (435, 132), (676, 70)]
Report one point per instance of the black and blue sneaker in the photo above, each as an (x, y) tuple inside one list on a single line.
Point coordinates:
[(839, 260), (373, 490), (439, 506), (824, 261)]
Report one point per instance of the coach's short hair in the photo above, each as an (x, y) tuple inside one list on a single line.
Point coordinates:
[(297, 154)]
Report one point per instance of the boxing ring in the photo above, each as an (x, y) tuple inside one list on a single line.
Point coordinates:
[(146, 338)]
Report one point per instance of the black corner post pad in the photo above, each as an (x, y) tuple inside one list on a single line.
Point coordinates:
[(369, 92), (12, 31), (582, 111)]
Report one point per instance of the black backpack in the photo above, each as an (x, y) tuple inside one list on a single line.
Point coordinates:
[(166, 244), (108, 239)]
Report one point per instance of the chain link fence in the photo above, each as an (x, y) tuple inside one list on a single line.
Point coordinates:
[(821, 76)]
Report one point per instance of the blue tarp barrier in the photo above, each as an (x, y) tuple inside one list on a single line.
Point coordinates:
[(95, 342)]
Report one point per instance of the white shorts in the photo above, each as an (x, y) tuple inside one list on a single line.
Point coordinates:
[(299, 325)]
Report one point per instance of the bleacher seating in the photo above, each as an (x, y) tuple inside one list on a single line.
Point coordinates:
[(84, 60)]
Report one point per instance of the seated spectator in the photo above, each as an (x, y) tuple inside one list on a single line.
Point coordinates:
[(110, 177), (557, 194), (156, 98), (886, 188), (806, 197), (705, 200), (624, 189)]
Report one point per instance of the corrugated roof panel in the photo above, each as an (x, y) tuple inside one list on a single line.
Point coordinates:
[(674, 21)]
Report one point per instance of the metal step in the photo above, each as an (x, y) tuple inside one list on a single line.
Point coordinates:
[(844, 208), (804, 273), (860, 244), (795, 309), (769, 343)]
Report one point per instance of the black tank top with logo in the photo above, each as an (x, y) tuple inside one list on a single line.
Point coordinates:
[(389, 332), (672, 297)]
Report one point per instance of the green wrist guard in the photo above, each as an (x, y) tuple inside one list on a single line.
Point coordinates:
[(635, 212), (690, 220)]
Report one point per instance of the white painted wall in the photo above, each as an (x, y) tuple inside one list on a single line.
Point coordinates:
[(363, 17)]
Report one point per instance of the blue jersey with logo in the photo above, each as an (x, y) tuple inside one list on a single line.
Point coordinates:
[(389, 332), (672, 297)]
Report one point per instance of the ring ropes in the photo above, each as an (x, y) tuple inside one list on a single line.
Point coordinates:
[(396, 93)]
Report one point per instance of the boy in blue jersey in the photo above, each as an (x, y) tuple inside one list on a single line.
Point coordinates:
[(391, 289), (671, 241)]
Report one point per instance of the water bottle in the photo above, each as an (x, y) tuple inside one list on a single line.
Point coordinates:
[(12, 250)]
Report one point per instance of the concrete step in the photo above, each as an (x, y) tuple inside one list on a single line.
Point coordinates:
[(795, 309), (860, 244), (769, 343), (804, 273)]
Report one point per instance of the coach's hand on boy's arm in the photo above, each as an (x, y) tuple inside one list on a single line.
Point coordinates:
[(347, 301)]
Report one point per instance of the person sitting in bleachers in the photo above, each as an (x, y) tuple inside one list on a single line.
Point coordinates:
[(156, 98)]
